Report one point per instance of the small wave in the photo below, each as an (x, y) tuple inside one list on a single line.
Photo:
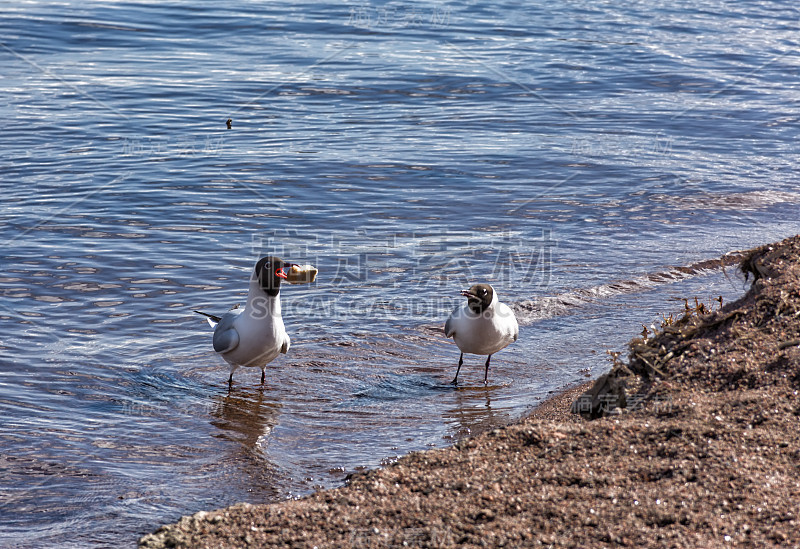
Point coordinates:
[(399, 387), (745, 201), (550, 306)]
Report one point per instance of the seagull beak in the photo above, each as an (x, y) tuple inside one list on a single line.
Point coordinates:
[(280, 273), (467, 294)]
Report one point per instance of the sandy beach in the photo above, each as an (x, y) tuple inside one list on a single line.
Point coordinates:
[(691, 440)]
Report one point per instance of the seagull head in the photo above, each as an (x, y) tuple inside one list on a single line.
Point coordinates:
[(479, 297), (269, 272)]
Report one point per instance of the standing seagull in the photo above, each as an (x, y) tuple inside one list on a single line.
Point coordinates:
[(482, 326), (255, 336)]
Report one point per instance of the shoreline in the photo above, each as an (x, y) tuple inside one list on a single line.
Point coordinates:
[(706, 456), (557, 406)]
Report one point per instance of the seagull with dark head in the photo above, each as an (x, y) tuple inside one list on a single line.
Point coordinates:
[(254, 336), (482, 326)]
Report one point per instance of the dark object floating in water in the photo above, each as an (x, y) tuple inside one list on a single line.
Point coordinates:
[(228, 123)]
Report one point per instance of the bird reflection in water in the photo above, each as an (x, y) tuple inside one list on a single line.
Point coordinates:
[(473, 413), (247, 416)]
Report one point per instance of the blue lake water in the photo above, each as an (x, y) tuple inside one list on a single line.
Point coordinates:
[(574, 155)]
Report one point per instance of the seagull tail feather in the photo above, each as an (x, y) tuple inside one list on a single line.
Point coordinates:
[(212, 319)]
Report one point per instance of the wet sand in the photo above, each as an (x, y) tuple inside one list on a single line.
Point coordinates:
[(695, 443)]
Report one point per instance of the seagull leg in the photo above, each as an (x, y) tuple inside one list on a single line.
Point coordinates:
[(460, 362), (263, 376), (230, 382), (486, 373)]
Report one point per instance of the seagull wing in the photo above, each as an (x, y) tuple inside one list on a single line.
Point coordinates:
[(513, 330), (450, 325), (226, 338), (286, 344), (448, 328)]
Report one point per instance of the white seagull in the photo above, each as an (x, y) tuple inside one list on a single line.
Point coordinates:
[(482, 326), (255, 335)]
